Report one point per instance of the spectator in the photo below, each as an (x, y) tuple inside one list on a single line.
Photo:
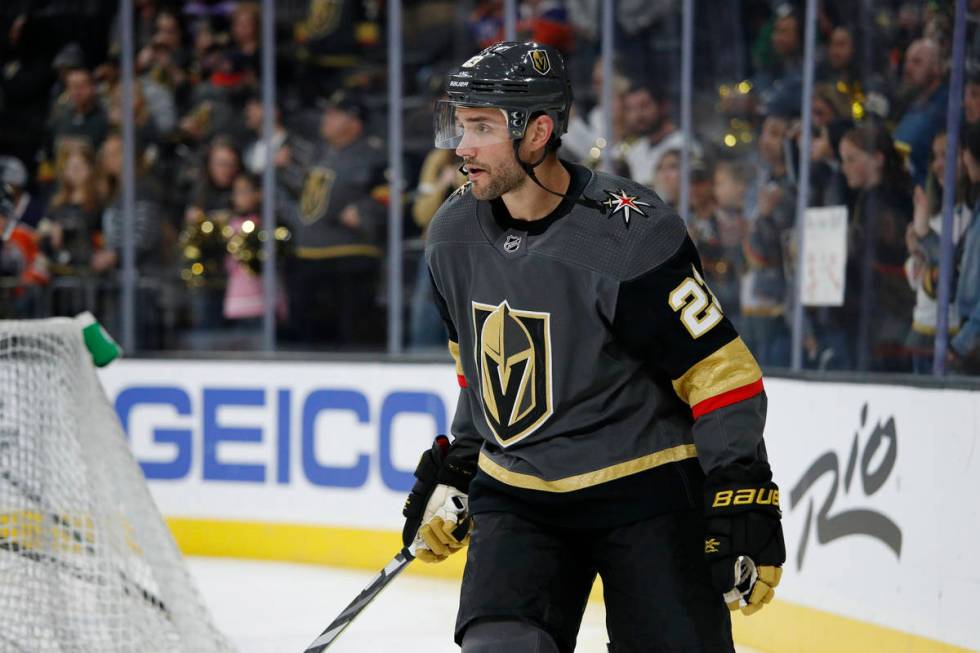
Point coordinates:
[(213, 192), (923, 238), (246, 20), (145, 14), (729, 184), (23, 269), (828, 105), (731, 178), (244, 302), (779, 66), (207, 216), (965, 347), (148, 224), (877, 300), (440, 175), (926, 94), (585, 139), (255, 152), (547, 22), (204, 54), (720, 271), (486, 23), (71, 229), (153, 239), (164, 56), (971, 94), (25, 208), (331, 40), (336, 228), (764, 294), (649, 132), (828, 187), (162, 68), (147, 132), (667, 177), (80, 117), (838, 68), (25, 82), (217, 103), (68, 59)]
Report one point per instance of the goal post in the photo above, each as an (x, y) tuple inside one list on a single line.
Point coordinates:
[(86, 560)]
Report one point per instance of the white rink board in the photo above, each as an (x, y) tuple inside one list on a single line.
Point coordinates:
[(931, 494), (923, 483), (345, 405)]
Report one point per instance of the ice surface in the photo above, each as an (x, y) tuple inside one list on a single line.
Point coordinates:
[(275, 607)]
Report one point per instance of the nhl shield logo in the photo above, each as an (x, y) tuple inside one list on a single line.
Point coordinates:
[(540, 61), (513, 357)]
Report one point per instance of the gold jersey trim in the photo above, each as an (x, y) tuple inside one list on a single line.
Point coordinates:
[(588, 479), (763, 311), (336, 251), (730, 367), (454, 351)]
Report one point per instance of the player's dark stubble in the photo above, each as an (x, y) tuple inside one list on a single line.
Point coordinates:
[(498, 182)]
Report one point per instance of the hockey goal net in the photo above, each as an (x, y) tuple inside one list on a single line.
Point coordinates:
[(86, 561)]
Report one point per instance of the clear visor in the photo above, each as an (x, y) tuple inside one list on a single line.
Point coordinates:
[(457, 126)]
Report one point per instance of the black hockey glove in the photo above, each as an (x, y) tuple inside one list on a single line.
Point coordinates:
[(743, 542), (437, 509)]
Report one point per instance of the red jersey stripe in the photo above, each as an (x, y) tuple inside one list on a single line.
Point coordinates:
[(726, 399)]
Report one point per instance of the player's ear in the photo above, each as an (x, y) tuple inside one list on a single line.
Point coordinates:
[(539, 132)]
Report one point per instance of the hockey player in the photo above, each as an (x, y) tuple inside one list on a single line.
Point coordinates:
[(610, 418)]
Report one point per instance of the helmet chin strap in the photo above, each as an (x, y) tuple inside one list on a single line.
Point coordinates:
[(528, 168)]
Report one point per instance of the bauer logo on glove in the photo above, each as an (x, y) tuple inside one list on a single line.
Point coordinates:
[(743, 541)]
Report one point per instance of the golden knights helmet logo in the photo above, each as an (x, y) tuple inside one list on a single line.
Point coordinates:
[(513, 356), (540, 61)]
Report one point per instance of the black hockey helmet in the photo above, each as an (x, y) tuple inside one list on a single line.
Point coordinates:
[(521, 79)]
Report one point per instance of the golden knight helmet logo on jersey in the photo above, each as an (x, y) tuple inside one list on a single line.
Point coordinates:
[(316, 194), (513, 356)]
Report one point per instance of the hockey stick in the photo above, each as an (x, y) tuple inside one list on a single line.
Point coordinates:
[(368, 594)]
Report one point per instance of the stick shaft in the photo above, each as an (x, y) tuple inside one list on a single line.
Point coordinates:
[(368, 594)]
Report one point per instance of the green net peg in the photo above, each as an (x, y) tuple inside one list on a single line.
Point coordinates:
[(100, 344)]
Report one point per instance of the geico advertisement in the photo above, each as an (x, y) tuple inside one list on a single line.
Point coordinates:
[(880, 485), (300, 443), (880, 488)]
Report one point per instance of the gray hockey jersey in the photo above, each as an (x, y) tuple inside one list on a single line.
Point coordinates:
[(599, 378)]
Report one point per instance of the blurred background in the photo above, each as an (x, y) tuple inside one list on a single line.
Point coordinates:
[(217, 236)]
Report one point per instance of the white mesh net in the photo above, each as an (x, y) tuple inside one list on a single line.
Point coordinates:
[(86, 561)]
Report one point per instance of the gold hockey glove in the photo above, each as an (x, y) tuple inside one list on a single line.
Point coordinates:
[(437, 509)]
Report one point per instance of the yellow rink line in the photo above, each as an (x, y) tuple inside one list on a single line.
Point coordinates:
[(781, 628)]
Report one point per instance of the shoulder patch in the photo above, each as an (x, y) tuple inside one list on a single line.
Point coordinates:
[(621, 202), (649, 230)]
